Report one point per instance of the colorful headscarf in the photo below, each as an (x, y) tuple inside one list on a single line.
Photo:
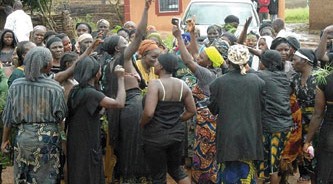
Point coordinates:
[(239, 55), (222, 46), (214, 56), (147, 45), (155, 35)]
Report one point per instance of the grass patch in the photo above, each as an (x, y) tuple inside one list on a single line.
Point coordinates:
[(297, 15)]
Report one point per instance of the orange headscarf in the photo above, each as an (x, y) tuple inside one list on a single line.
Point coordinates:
[(147, 45)]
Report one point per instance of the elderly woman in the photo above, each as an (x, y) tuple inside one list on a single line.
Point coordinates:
[(85, 103), (37, 115), (168, 103), (56, 47), (205, 70), (83, 42), (102, 26), (149, 52), (37, 35)]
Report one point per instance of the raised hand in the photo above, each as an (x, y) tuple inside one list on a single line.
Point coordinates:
[(248, 21), (176, 32), (119, 71), (148, 3), (190, 25)]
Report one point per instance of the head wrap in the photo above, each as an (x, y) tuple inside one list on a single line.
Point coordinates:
[(214, 56), (231, 19), (222, 46), (52, 40), (271, 59), (306, 54), (88, 26), (277, 41), (186, 38), (35, 60), (103, 21), (169, 62), (293, 42), (239, 55), (80, 39), (155, 35), (129, 23), (215, 27), (39, 27), (110, 43), (85, 70), (268, 40), (147, 45)]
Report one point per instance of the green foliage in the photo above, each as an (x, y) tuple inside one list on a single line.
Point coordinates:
[(321, 73), (39, 5), (168, 41), (87, 19), (297, 15)]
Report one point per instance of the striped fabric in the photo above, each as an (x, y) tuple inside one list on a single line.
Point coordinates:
[(34, 102)]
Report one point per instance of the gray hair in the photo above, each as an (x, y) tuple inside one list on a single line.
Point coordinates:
[(35, 60)]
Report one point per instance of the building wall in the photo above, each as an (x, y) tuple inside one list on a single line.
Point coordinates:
[(133, 11), (320, 14)]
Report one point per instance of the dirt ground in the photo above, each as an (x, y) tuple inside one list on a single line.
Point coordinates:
[(7, 177)]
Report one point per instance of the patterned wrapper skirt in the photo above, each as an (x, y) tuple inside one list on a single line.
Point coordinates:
[(36, 153)]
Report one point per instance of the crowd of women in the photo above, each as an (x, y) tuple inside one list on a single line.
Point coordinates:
[(124, 108)]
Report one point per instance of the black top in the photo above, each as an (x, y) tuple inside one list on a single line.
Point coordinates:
[(83, 145), (276, 116), (236, 99), (273, 7), (165, 123)]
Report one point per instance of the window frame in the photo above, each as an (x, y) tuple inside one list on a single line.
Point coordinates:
[(168, 13)]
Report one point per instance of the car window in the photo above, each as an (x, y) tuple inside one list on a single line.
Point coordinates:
[(214, 13)]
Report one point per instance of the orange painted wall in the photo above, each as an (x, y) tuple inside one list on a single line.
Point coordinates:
[(162, 23)]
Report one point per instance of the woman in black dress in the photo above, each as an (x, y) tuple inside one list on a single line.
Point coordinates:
[(85, 163)]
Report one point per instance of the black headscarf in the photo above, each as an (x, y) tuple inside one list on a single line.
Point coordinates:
[(52, 40), (83, 23), (272, 61), (85, 70), (169, 62), (277, 41)]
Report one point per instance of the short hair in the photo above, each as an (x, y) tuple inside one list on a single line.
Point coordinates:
[(278, 24), (66, 58), (17, 5)]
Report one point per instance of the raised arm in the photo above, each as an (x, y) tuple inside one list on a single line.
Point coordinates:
[(139, 34), (64, 75), (242, 36), (185, 55), (256, 52), (194, 48), (321, 50), (119, 102)]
